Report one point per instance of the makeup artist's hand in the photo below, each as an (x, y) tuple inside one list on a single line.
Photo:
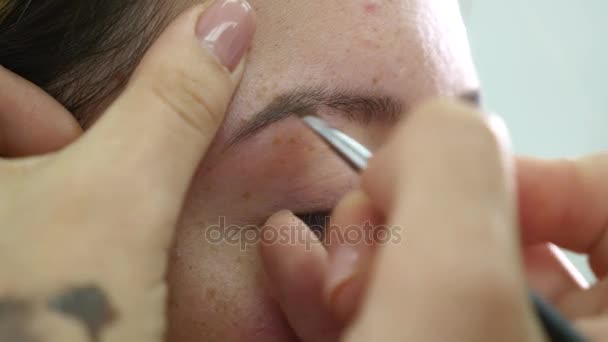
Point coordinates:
[(559, 202), (85, 231), (460, 263), (466, 264), (445, 182)]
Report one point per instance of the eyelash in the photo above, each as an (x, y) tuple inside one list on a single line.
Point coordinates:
[(317, 221)]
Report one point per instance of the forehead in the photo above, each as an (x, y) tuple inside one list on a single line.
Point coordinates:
[(406, 49)]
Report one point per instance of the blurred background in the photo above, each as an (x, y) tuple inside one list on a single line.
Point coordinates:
[(543, 65)]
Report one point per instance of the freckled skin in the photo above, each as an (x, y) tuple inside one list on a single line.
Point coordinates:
[(211, 293), (407, 49)]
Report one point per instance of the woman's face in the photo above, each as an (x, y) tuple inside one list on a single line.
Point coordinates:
[(356, 62)]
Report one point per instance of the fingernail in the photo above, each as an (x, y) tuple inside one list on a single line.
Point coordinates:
[(226, 28), (344, 301), (343, 286), (499, 126), (275, 223), (344, 266)]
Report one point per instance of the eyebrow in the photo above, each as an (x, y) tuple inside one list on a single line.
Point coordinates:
[(357, 107)]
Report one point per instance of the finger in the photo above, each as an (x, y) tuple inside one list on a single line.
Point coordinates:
[(351, 244), (162, 124), (581, 304), (31, 121), (452, 192), (563, 202), (550, 273), (594, 329), (295, 262)]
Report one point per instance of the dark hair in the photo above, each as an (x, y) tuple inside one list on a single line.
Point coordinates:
[(79, 51)]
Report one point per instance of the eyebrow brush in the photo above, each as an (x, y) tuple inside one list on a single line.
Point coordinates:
[(556, 327)]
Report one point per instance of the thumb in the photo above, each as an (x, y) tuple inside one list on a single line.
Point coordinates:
[(164, 121)]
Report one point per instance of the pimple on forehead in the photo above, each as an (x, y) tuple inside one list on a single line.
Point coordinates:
[(371, 6)]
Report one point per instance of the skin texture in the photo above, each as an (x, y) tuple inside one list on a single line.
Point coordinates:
[(407, 49)]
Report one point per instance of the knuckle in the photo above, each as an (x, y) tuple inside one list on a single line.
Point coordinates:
[(199, 98)]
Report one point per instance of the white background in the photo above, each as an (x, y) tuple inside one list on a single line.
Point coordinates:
[(543, 64)]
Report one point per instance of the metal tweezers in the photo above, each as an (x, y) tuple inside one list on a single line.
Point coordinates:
[(557, 328), (351, 151)]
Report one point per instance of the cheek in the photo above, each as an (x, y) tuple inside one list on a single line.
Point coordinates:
[(218, 291), (218, 288)]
